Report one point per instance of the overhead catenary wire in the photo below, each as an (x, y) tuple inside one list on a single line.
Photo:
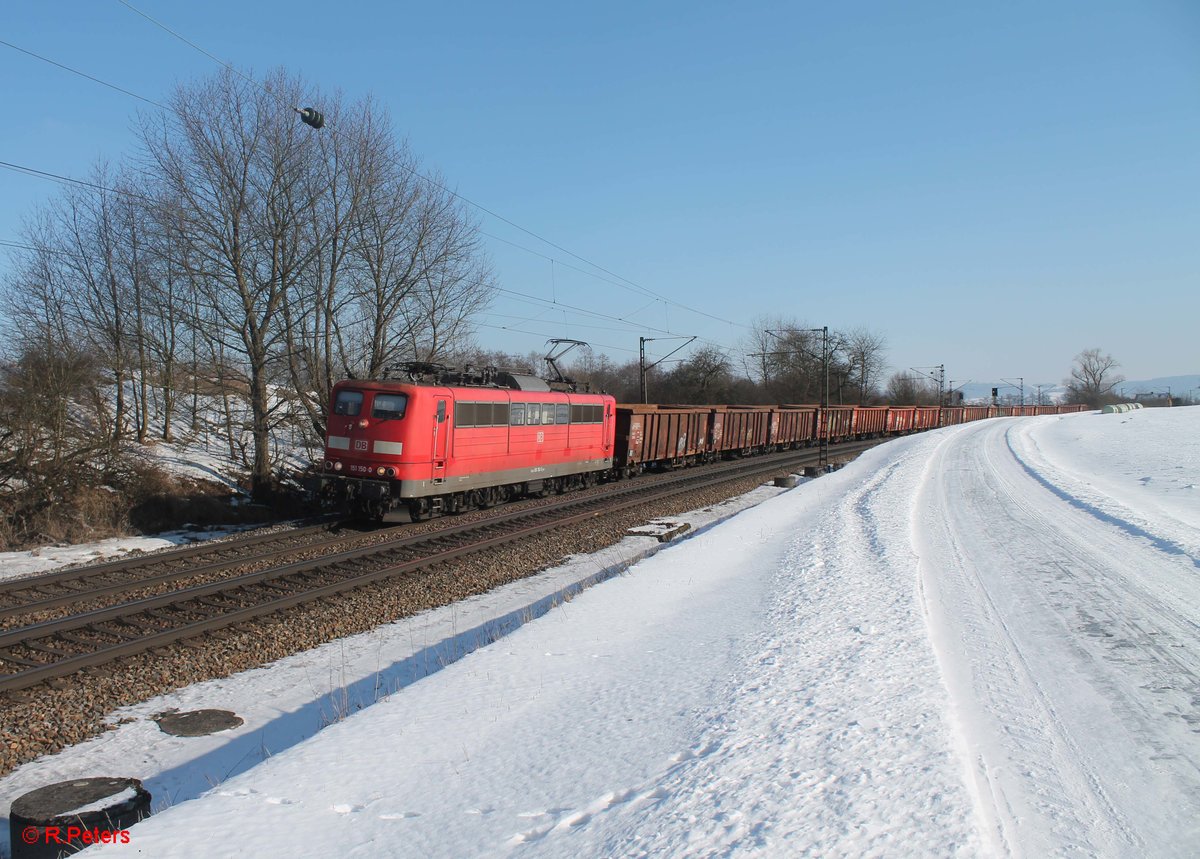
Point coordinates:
[(68, 180), (75, 71), (614, 279), (439, 185)]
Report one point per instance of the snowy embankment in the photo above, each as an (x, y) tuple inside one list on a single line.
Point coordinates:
[(45, 559), (978, 640)]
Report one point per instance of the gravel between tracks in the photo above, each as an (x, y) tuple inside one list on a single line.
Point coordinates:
[(46, 719)]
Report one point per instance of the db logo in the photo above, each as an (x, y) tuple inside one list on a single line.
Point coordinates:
[(360, 444)]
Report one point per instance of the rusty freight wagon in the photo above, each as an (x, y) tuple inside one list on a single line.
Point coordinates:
[(870, 421), (900, 419), (926, 417), (953, 415), (738, 430), (793, 426), (659, 436), (837, 423)]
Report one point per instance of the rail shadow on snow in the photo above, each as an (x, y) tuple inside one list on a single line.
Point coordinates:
[(245, 751), (242, 752), (289, 729)]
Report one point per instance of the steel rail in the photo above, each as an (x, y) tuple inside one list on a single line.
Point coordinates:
[(195, 599), (91, 592), (185, 553), (63, 580)]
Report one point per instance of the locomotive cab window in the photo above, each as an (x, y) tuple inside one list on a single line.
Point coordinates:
[(348, 403), (388, 406)]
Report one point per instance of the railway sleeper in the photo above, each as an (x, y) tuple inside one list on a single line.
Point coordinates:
[(45, 648), (10, 657), (213, 603), (113, 632), (76, 639)]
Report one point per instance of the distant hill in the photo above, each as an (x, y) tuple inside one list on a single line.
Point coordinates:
[(1181, 386)]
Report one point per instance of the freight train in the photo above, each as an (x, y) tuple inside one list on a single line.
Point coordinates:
[(444, 441)]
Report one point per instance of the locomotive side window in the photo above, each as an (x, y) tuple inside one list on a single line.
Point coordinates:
[(517, 415), (348, 403), (547, 413), (441, 411), (533, 413), (387, 406), (562, 413), (481, 415)]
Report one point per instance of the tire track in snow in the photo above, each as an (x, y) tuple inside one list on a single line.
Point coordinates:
[(834, 739), (1046, 647), (1102, 507)]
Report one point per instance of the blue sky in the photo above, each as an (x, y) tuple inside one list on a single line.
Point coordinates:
[(994, 187)]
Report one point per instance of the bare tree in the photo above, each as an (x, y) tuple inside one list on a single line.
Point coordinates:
[(705, 377), (239, 181), (88, 240), (1092, 378), (425, 272), (784, 357), (599, 371), (864, 352), (905, 390)]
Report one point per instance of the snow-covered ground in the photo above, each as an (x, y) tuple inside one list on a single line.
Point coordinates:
[(46, 558), (981, 640)]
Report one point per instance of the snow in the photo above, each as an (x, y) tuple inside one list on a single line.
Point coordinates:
[(124, 795), (46, 558), (980, 640)]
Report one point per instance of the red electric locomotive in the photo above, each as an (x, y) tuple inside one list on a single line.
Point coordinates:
[(447, 442)]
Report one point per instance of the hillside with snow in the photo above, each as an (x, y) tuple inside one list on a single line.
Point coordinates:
[(979, 640)]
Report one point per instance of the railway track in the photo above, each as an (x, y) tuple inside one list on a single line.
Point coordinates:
[(34, 650), (77, 586)]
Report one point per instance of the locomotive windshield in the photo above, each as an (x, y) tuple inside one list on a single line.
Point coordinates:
[(389, 406), (348, 403)]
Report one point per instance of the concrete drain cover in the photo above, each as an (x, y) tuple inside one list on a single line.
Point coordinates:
[(63, 818), (197, 723)]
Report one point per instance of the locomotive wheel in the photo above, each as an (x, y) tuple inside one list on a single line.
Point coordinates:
[(418, 510)]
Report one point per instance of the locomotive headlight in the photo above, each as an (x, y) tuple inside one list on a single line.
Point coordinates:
[(337, 466), (364, 423), (391, 472), (381, 471), (328, 465)]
